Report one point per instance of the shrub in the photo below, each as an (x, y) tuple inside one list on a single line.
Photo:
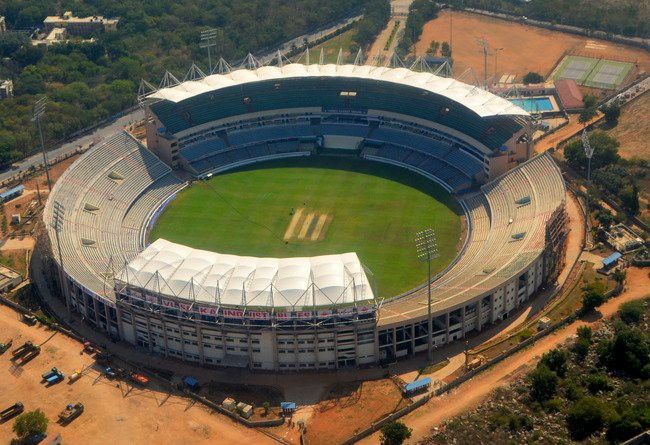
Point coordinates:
[(597, 383), (532, 77), (555, 360), (30, 423), (395, 433), (632, 311), (585, 417), (543, 383)]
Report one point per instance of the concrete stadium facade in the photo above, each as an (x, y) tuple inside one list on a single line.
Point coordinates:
[(474, 144)]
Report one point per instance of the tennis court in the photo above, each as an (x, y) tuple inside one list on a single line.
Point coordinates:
[(590, 72)]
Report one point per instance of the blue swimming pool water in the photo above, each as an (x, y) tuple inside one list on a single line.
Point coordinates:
[(534, 104)]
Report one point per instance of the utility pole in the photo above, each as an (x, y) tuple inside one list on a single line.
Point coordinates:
[(426, 246), (496, 55), (485, 48), (208, 40), (39, 110), (59, 216), (589, 152)]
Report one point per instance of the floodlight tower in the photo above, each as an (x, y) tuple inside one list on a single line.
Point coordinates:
[(208, 40), (39, 110), (589, 152), (426, 246)]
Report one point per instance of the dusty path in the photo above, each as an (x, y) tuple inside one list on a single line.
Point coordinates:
[(471, 393), (112, 415), (571, 129)]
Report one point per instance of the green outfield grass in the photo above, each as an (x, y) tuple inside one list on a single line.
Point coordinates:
[(376, 211)]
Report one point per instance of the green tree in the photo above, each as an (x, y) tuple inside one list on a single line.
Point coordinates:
[(445, 50), (29, 423), (543, 383), (612, 113), (630, 199), (586, 416), (629, 352), (632, 311), (593, 295), (532, 77), (395, 433), (605, 151)]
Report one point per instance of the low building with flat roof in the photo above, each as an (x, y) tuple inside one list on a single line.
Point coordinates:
[(81, 26), (9, 279), (6, 88)]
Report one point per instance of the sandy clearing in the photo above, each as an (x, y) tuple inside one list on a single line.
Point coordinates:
[(111, 415), (525, 48)]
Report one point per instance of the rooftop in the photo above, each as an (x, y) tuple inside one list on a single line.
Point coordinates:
[(481, 102), (181, 272)]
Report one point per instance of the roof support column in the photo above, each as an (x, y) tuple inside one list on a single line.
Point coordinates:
[(447, 327), (199, 341), (462, 319), (164, 329)]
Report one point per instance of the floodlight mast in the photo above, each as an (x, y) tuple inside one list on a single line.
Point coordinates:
[(589, 152), (208, 40), (426, 246), (39, 110)]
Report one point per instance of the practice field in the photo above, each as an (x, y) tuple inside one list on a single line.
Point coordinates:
[(524, 48), (317, 206), (591, 72)]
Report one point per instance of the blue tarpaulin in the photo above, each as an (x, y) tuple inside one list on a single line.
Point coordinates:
[(417, 385), (190, 381), (612, 259), (288, 406)]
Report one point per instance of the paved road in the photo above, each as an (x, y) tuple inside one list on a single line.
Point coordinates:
[(96, 136)]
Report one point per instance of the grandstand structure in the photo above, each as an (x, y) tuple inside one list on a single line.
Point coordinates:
[(304, 313)]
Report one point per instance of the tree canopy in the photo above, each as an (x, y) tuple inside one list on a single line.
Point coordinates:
[(88, 82)]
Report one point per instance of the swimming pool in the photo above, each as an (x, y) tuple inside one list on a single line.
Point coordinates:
[(534, 104)]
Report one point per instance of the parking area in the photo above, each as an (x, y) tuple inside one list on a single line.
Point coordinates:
[(115, 412)]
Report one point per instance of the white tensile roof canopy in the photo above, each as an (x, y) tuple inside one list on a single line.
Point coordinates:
[(178, 271), (482, 102)]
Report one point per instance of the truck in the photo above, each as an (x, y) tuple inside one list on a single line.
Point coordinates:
[(111, 373), (22, 349), (103, 358), (29, 319), (139, 378), (54, 377), (49, 373), (33, 352), (12, 411), (89, 348), (6, 345), (71, 412)]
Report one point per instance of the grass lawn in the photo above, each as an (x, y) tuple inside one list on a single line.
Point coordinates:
[(373, 209), (331, 48)]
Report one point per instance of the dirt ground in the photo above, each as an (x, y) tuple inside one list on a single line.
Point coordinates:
[(112, 414), (525, 48), (350, 407), (468, 395), (633, 129)]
